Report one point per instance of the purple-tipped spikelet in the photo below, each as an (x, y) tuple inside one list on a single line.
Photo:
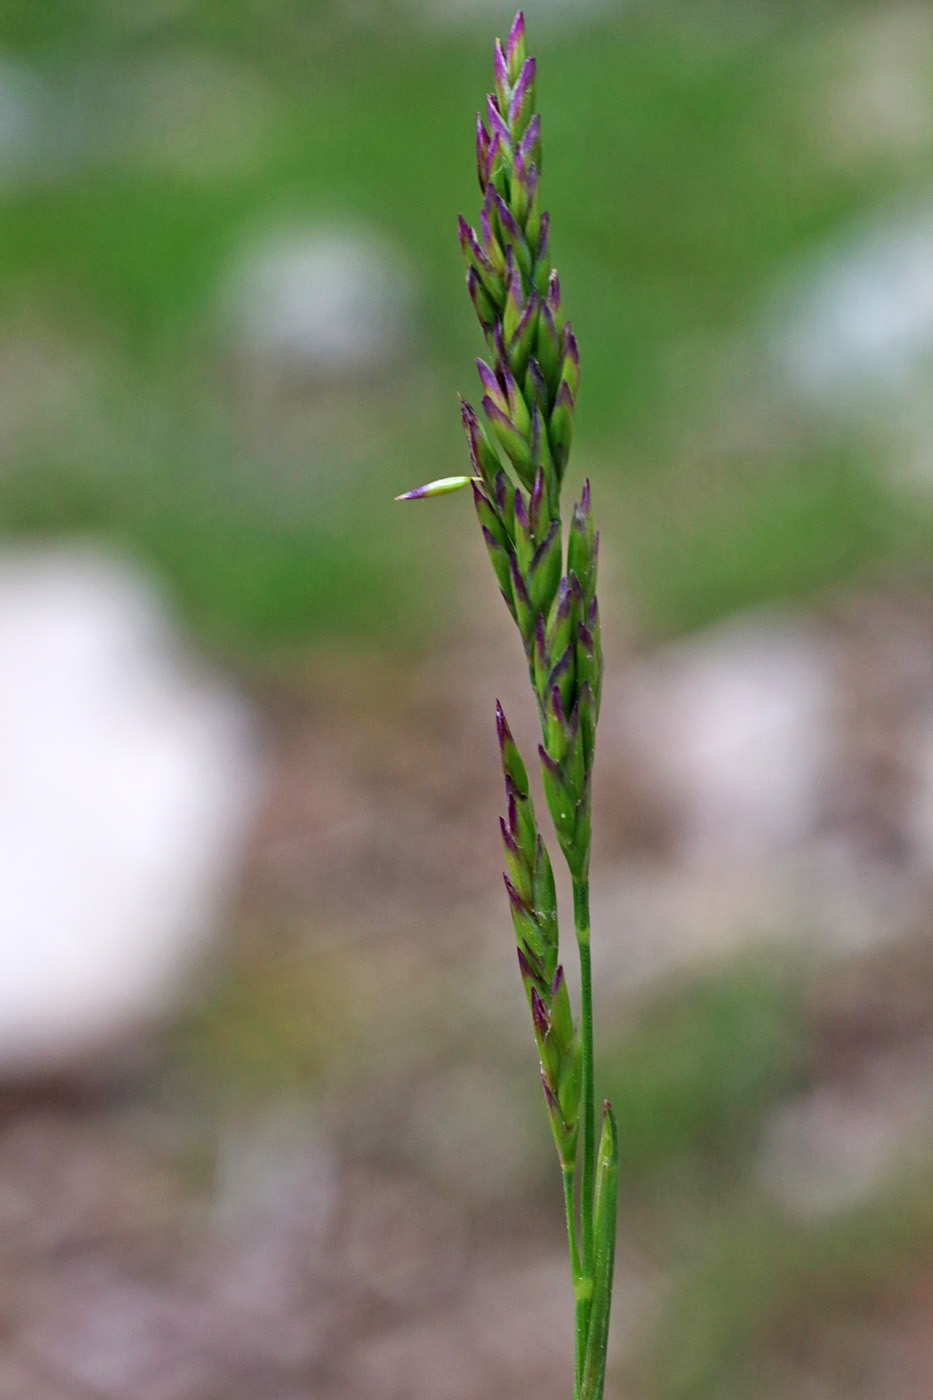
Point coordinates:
[(519, 447), (559, 1052), (529, 392), (516, 52), (508, 272)]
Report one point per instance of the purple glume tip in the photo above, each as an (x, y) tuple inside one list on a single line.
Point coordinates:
[(516, 35), (492, 544), (497, 415), (509, 226), (528, 315), (563, 600), (502, 68), (564, 397), (527, 971), (525, 81), (489, 380), (518, 583), (492, 155), (485, 228), (531, 138), (537, 378), (537, 493), (515, 898), (539, 1013), (497, 122), (563, 665), (535, 430), (548, 762), (544, 232), (544, 548), (508, 839), (502, 726)]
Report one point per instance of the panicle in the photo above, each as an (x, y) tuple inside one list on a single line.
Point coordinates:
[(519, 447)]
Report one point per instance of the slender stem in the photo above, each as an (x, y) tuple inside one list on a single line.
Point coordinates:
[(569, 1175), (581, 915), (580, 1326)]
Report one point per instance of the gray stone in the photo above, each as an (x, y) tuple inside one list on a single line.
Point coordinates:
[(25, 110), (128, 781), (838, 1145), (121, 1335), (876, 94), (268, 1281), (855, 326), (319, 300), (789, 768), (734, 728)]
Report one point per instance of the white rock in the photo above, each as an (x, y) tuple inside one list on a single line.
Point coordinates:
[(320, 300), (660, 918), (789, 773), (24, 117), (735, 728), (126, 784), (836, 1146), (856, 326), (875, 97)]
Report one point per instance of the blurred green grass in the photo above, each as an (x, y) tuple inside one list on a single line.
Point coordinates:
[(682, 175), (767, 1306), (699, 1069)]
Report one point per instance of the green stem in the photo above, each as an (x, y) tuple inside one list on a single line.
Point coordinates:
[(581, 916), (568, 1174), (581, 1293)]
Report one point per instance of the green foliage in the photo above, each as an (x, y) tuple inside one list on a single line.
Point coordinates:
[(681, 175), (241, 577), (786, 530), (759, 1289), (700, 1068)]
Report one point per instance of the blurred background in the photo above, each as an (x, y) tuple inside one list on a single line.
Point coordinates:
[(270, 1124)]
